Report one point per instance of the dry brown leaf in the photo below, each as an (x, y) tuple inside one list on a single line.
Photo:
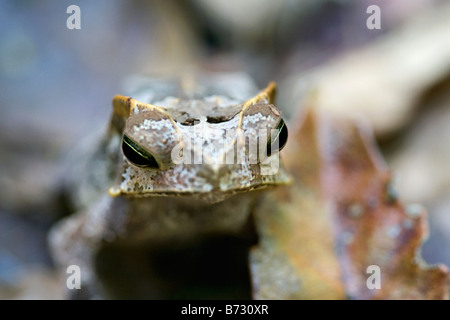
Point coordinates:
[(340, 216)]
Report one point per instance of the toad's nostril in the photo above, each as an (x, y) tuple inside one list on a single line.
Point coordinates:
[(216, 119), (190, 122)]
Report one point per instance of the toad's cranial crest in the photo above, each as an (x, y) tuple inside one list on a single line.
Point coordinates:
[(208, 141)]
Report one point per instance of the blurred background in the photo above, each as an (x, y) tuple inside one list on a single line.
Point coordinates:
[(56, 85)]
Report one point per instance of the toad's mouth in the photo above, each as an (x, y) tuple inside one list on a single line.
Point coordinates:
[(212, 196)]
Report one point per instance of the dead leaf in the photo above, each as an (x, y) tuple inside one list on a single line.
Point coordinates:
[(341, 215)]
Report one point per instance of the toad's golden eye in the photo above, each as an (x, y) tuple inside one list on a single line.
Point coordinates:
[(137, 155), (278, 140)]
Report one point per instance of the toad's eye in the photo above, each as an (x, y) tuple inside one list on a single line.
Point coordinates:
[(278, 140), (136, 154)]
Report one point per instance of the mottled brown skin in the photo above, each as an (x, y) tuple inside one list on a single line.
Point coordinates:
[(173, 204)]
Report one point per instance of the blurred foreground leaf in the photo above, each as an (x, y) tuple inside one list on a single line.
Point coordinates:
[(340, 216)]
